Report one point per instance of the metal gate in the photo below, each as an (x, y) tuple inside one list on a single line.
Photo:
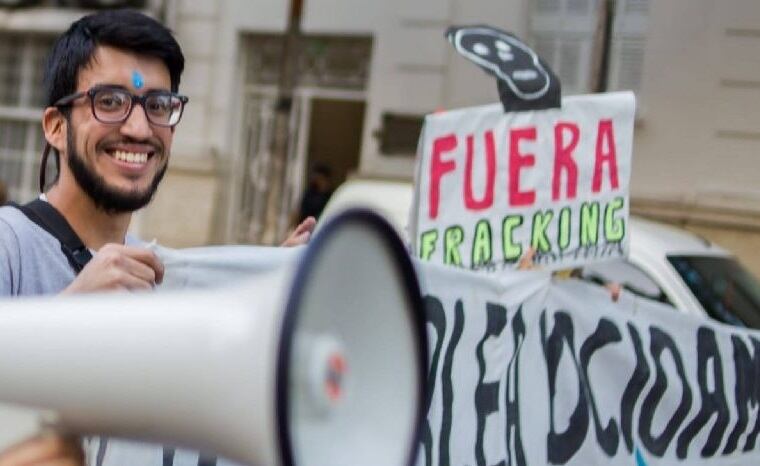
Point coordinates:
[(258, 166)]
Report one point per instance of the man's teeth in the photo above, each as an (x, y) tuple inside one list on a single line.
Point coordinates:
[(130, 157)]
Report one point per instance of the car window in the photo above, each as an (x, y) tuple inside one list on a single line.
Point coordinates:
[(727, 291), (627, 275)]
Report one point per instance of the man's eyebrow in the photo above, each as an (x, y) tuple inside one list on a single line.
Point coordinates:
[(110, 86), (125, 88)]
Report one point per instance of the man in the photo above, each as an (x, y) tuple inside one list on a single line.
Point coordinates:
[(317, 193), (3, 193), (112, 81)]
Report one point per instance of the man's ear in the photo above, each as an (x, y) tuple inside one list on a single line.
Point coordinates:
[(54, 127)]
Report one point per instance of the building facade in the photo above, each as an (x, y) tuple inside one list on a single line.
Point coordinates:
[(367, 71)]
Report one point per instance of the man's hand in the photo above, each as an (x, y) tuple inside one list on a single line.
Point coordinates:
[(302, 233), (118, 267), (615, 289), (526, 261), (45, 450)]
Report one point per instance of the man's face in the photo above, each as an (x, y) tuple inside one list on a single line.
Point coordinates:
[(118, 165)]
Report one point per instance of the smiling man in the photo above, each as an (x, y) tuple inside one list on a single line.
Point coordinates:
[(113, 106)]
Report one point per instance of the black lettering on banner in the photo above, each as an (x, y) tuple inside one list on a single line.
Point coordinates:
[(752, 437), (447, 389), (513, 436), (747, 393), (606, 332), (560, 447), (437, 318), (634, 388), (659, 342), (487, 394), (713, 402)]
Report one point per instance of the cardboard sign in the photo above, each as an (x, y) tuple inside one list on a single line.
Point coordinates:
[(491, 184)]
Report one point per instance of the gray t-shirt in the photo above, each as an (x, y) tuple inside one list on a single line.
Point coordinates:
[(32, 263), (41, 268)]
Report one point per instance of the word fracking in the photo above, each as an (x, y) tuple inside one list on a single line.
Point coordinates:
[(599, 227)]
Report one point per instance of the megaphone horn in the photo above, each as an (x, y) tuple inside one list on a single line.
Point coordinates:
[(321, 362)]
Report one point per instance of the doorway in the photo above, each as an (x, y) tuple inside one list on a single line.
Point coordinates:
[(324, 127), (335, 135)]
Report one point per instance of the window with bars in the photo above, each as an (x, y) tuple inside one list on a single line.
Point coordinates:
[(22, 60), (564, 34), (628, 44)]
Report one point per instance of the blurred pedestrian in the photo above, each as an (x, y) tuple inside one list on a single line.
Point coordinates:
[(3, 193), (317, 193)]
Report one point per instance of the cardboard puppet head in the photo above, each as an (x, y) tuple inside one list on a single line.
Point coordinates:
[(524, 81)]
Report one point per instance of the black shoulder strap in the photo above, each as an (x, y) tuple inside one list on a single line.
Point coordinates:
[(50, 220)]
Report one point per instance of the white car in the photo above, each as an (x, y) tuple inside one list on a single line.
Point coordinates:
[(665, 264)]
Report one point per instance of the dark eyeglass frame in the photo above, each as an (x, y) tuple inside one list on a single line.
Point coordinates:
[(68, 100)]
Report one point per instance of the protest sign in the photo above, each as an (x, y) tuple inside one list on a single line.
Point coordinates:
[(528, 375), (491, 184), (529, 371)]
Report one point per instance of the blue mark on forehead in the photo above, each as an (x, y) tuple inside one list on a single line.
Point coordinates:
[(137, 80)]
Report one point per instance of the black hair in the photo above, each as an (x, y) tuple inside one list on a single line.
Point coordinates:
[(124, 29), (128, 30), (321, 169)]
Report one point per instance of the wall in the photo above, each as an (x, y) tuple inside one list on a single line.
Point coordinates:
[(698, 139), (416, 71)]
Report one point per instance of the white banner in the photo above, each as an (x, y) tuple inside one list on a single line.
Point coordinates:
[(523, 374), (526, 371), (489, 184)]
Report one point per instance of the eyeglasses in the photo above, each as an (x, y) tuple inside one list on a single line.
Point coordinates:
[(113, 105)]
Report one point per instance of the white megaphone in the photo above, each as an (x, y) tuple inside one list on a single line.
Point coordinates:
[(321, 362)]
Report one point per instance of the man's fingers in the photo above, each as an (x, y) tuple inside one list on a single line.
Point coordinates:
[(302, 238), (140, 270), (526, 261), (307, 225), (302, 233), (149, 258), (61, 462), (615, 290), (116, 266), (132, 282), (52, 449)]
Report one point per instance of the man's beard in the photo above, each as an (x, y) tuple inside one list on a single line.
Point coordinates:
[(107, 198)]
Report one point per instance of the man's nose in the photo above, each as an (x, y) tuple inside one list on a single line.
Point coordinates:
[(137, 125)]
